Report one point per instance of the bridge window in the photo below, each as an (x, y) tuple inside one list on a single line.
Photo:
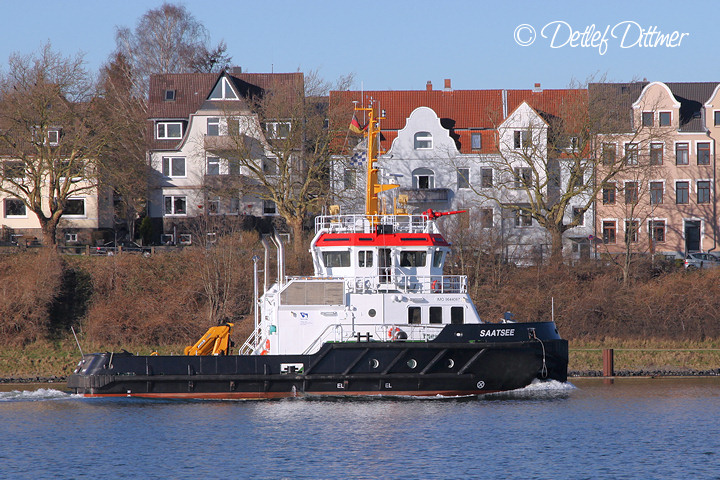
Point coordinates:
[(457, 315), (414, 315), (365, 258), (437, 259), (413, 259), (336, 259), (435, 314)]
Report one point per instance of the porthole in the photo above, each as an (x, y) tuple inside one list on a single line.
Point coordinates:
[(412, 363), (374, 363), (372, 312), (450, 363)]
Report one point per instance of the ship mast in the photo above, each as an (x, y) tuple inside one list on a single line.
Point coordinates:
[(373, 187)]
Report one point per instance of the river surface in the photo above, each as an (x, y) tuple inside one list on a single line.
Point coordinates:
[(589, 429)]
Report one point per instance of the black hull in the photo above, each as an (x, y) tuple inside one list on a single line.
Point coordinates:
[(457, 362)]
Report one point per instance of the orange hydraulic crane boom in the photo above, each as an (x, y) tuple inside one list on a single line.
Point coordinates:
[(216, 341)]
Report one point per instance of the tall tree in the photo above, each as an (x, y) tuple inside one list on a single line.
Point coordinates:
[(50, 134), (124, 157), (169, 39)]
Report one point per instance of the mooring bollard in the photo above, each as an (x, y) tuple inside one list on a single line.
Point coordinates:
[(608, 363)]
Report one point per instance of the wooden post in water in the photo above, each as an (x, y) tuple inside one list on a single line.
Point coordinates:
[(608, 362)]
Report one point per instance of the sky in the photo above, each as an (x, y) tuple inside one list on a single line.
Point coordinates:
[(401, 45)]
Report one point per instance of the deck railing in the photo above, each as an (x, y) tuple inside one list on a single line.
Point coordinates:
[(359, 223), (397, 282)]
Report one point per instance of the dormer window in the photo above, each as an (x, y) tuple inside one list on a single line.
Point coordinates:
[(168, 130), (223, 91), (423, 141), (277, 130), (169, 95)]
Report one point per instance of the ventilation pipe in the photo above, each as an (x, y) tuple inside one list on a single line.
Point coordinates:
[(281, 258)]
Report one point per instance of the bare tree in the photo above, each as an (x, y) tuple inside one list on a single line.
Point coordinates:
[(285, 152), (169, 39), (124, 157), (50, 134)]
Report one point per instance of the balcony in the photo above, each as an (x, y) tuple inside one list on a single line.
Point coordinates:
[(419, 196)]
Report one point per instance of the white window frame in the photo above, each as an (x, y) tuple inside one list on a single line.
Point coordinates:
[(423, 172), (266, 210), (226, 91), (71, 237), (518, 174), (214, 162), (215, 123), (53, 137), (185, 239), (164, 135), (423, 141), (473, 136), (632, 153), (173, 199), (171, 161), (273, 132), (82, 215), (5, 214)]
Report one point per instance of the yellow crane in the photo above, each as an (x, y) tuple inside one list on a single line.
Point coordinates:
[(216, 341)]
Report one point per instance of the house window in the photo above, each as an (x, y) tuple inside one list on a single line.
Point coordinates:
[(269, 166), (682, 192), (476, 141), (423, 141), (522, 218), (13, 169), (682, 154), (647, 119), (656, 193), (486, 218), (269, 207), (608, 153), (168, 130), (71, 238), (365, 258), (665, 119), (185, 238), (423, 178), (213, 126), (169, 95), (223, 91), (579, 216), (213, 206), (523, 177), (521, 139), (349, 178), (15, 208), (631, 231), (463, 178), (703, 153), (656, 154), (173, 166), (175, 205), (608, 231), (53, 136), (277, 130), (631, 193), (486, 178), (657, 230), (716, 115), (574, 144), (213, 166), (609, 193), (74, 207), (631, 153), (703, 191), (234, 206)]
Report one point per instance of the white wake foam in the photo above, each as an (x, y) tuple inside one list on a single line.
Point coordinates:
[(34, 395)]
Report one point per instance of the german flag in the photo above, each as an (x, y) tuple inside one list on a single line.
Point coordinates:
[(355, 125)]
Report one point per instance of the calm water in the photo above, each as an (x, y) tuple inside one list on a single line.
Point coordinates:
[(631, 429)]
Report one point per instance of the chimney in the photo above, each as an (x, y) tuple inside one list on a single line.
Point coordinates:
[(428, 87), (537, 88), (235, 70), (447, 85)]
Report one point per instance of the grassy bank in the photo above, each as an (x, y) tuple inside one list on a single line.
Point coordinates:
[(47, 359)]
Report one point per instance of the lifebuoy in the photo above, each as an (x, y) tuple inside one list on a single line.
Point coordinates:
[(393, 332), (266, 350), (434, 286)]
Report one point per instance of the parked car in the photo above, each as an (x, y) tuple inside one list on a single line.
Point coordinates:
[(701, 260), (111, 248)]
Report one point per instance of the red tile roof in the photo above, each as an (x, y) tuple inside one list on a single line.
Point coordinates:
[(462, 111)]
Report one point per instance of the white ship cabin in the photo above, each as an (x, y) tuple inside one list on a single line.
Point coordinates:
[(377, 278)]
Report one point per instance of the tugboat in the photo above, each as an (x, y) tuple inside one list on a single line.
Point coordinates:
[(379, 317)]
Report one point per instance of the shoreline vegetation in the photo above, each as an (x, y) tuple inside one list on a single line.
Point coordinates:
[(662, 321)]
